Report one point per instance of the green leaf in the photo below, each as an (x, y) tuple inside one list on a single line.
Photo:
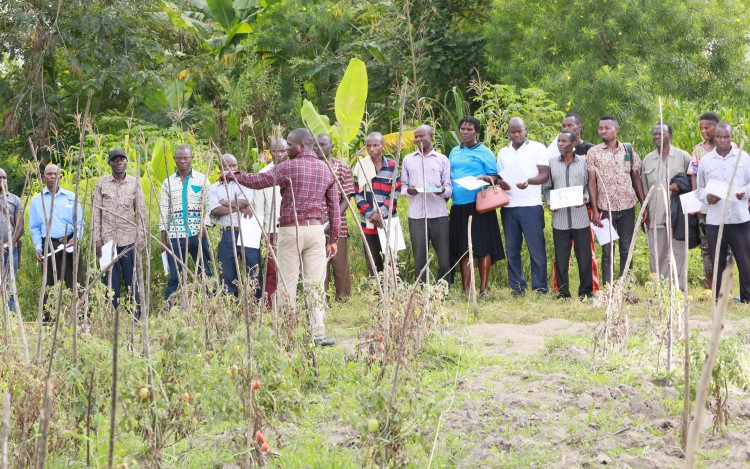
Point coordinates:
[(247, 8), (318, 124), (177, 93), (222, 12), (162, 163), (351, 97)]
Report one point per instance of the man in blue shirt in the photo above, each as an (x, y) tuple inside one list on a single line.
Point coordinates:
[(55, 215)]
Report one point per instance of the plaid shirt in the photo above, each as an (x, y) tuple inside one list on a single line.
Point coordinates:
[(344, 174), (310, 182), (379, 197)]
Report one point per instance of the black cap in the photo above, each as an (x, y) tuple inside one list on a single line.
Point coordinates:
[(115, 153)]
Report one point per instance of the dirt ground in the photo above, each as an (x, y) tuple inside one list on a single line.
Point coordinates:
[(520, 417)]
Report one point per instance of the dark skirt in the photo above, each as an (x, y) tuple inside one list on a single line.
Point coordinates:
[(485, 233)]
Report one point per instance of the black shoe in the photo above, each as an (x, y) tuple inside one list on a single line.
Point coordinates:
[(324, 342), (517, 293)]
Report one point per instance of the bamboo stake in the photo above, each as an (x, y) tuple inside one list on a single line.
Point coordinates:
[(113, 400), (686, 364), (471, 271), (88, 417), (6, 427)]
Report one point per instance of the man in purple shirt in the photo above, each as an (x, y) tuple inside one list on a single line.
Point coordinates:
[(426, 181)]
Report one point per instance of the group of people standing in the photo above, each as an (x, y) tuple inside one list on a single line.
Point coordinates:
[(300, 201)]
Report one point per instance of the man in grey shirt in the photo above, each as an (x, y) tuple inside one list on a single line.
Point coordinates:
[(11, 229), (719, 165), (570, 224)]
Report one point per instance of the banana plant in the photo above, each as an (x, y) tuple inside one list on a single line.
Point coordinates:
[(349, 106), (234, 18)]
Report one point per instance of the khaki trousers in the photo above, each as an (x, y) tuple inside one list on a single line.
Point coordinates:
[(310, 242), (661, 242)]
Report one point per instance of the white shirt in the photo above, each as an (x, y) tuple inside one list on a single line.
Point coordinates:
[(718, 167), (219, 191), (528, 156), (263, 205)]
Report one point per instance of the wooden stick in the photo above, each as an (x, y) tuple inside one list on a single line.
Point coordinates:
[(6, 427), (686, 365), (471, 271)]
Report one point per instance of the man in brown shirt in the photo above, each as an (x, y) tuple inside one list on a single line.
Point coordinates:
[(117, 215), (614, 188)]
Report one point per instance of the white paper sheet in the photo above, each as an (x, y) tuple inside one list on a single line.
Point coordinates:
[(108, 253), (513, 174), (397, 236), (471, 183), (165, 262), (719, 188), (250, 233), (566, 197), (431, 190), (603, 233), (690, 202)]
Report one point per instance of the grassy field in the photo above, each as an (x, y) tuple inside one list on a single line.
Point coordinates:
[(522, 384)]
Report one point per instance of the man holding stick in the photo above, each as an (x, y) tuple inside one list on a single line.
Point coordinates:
[(718, 167), (308, 195), (426, 181), (119, 210)]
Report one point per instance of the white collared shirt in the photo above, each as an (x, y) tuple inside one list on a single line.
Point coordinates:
[(717, 167), (529, 155)]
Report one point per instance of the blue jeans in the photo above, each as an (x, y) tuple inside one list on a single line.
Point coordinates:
[(529, 223), (122, 272), (181, 247), (11, 300), (225, 254)]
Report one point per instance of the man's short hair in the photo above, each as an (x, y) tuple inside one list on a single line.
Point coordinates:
[(184, 147), (725, 125), (709, 116), (577, 117), (570, 135), (610, 118), (473, 121), (377, 135), (669, 127), (302, 136)]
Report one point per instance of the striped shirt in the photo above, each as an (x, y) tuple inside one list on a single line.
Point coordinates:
[(379, 197), (182, 205), (563, 175)]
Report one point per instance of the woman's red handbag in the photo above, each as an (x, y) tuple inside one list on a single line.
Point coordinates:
[(490, 198)]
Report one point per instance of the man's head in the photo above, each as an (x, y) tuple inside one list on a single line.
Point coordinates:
[(572, 122), (608, 128), (183, 158), (469, 129), (566, 142), (228, 162), (517, 131), (723, 138), (3, 178), (662, 135), (325, 143), (374, 144), (707, 122), (279, 149), (300, 140), (423, 138), (51, 177), (118, 161)]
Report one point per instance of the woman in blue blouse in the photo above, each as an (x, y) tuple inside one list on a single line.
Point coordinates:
[(471, 158)]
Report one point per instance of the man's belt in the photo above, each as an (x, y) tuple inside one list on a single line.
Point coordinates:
[(310, 222)]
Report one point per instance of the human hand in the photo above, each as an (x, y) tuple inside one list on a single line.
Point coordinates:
[(39, 256), (713, 199), (523, 185), (674, 189), (377, 219), (645, 219), (740, 195), (98, 249), (596, 218), (246, 212), (331, 249), (412, 190), (503, 185)]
